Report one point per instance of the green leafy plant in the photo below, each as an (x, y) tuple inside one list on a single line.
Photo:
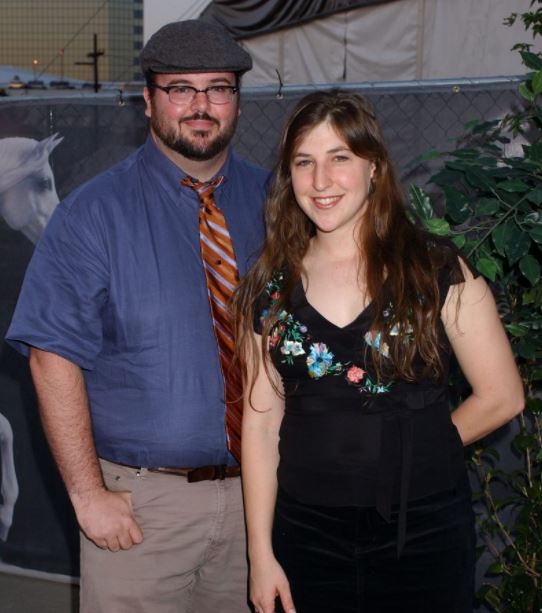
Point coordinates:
[(491, 207)]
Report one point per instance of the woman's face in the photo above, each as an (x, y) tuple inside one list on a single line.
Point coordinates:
[(330, 183)]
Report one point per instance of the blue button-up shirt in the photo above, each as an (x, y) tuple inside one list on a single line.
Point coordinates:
[(116, 285)]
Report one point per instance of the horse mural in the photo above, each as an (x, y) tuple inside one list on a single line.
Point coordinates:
[(27, 200), (9, 488), (27, 186)]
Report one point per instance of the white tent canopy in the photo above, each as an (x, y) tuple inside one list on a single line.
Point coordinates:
[(399, 40), (410, 39)]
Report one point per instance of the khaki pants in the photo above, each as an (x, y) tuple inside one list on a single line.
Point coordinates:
[(193, 555)]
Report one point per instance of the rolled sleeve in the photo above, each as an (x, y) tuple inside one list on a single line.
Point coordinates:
[(64, 289)]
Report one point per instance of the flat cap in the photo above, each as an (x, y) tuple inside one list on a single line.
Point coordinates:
[(193, 46)]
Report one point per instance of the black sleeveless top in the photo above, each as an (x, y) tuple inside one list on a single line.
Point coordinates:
[(346, 439)]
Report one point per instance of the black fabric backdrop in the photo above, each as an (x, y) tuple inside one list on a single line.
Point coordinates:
[(246, 18)]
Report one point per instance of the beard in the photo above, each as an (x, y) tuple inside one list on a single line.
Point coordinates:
[(198, 146)]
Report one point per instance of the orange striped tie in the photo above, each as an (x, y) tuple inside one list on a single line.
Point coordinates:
[(222, 278)]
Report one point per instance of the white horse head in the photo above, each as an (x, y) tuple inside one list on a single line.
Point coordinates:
[(27, 186)]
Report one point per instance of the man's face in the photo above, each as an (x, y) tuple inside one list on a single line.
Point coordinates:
[(198, 130)]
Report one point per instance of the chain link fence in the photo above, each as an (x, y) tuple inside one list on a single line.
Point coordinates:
[(100, 130)]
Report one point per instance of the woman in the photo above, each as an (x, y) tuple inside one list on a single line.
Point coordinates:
[(346, 325)]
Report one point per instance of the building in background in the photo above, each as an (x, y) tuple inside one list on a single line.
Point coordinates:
[(52, 36)]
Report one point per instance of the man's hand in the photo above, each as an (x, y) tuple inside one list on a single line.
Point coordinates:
[(106, 518)]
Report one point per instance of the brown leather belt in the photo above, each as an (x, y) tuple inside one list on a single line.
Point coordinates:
[(212, 472)]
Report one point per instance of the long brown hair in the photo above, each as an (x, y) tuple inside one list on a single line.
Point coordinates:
[(400, 260)]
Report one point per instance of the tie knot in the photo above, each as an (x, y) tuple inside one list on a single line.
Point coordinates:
[(202, 188)]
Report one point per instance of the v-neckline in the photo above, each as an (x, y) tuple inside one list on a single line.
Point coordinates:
[(304, 298)]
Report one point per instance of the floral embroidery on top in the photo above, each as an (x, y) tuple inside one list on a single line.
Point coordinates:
[(375, 340), (320, 362), (292, 333), (360, 378), (289, 336), (294, 348)]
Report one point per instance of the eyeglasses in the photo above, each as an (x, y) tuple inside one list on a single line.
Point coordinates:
[(184, 94)]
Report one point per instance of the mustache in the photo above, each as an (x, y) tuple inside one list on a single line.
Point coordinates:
[(203, 116)]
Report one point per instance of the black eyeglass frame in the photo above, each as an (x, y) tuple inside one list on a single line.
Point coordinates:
[(195, 91)]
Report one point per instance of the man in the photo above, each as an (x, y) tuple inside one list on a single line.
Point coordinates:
[(116, 312)]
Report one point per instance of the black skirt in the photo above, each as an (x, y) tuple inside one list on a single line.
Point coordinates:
[(344, 559)]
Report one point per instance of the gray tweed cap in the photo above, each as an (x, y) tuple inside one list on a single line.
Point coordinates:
[(193, 46)]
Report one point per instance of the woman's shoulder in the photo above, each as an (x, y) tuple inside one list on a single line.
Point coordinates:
[(448, 261)]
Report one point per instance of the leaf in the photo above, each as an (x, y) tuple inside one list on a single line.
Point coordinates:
[(487, 161), (459, 240), (535, 404), (457, 205), (430, 155), (466, 153), (510, 198), (526, 92), (523, 441), (516, 330), (533, 152), (499, 238), (487, 267), (530, 268), (536, 83), (490, 452), (462, 165), (533, 296), (487, 206), (438, 226), (513, 186), (480, 180), (470, 245), (482, 126), (495, 569), (509, 240), (531, 60), (535, 196), (492, 598), (526, 349), (517, 244), (421, 203), (536, 234)]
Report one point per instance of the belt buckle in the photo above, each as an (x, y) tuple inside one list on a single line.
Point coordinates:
[(207, 473)]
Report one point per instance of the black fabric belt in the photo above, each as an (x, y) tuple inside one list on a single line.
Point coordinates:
[(213, 472)]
